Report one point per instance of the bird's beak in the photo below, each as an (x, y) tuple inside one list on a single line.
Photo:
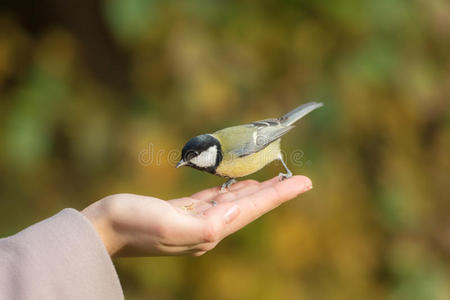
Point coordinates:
[(181, 163)]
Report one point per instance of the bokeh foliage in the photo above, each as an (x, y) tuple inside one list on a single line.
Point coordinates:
[(87, 86)]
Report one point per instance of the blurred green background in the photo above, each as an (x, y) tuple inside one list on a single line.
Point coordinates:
[(86, 87)]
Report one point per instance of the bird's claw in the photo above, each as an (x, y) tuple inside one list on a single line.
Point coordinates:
[(227, 184), (283, 176)]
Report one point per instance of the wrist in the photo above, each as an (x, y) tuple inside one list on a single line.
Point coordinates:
[(100, 216)]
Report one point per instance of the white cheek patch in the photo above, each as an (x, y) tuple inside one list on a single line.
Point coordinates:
[(206, 159)]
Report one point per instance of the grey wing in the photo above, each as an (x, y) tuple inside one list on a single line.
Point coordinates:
[(264, 132)]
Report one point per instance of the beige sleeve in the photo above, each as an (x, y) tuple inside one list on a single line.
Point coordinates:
[(61, 257)]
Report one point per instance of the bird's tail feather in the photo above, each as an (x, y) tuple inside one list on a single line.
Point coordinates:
[(299, 112)]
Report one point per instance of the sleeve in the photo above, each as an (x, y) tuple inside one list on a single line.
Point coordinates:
[(61, 257)]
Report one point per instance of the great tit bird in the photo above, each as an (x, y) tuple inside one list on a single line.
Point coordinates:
[(244, 149)]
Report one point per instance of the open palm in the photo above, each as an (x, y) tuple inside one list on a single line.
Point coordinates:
[(132, 225)]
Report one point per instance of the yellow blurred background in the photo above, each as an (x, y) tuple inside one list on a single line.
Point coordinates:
[(91, 92)]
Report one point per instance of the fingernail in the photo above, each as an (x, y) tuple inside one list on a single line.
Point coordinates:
[(307, 188), (231, 214)]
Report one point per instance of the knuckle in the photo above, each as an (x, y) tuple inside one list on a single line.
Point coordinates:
[(255, 208), (275, 193), (210, 233)]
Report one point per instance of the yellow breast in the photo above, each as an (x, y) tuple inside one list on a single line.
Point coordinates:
[(242, 166)]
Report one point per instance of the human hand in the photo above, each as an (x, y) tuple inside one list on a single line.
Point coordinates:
[(132, 225)]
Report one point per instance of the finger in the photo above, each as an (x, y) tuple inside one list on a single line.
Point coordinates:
[(227, 217), (206, 194), (273, 194), (243, 188), (269, 182), (235, 194), (254, 205), (210, 193), (176, 251), (231, 195), (194, 206)]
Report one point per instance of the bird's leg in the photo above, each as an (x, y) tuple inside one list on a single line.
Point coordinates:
[(227, 185), (288, 173)]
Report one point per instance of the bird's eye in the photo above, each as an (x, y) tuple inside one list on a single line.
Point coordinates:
[(191, 154)]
